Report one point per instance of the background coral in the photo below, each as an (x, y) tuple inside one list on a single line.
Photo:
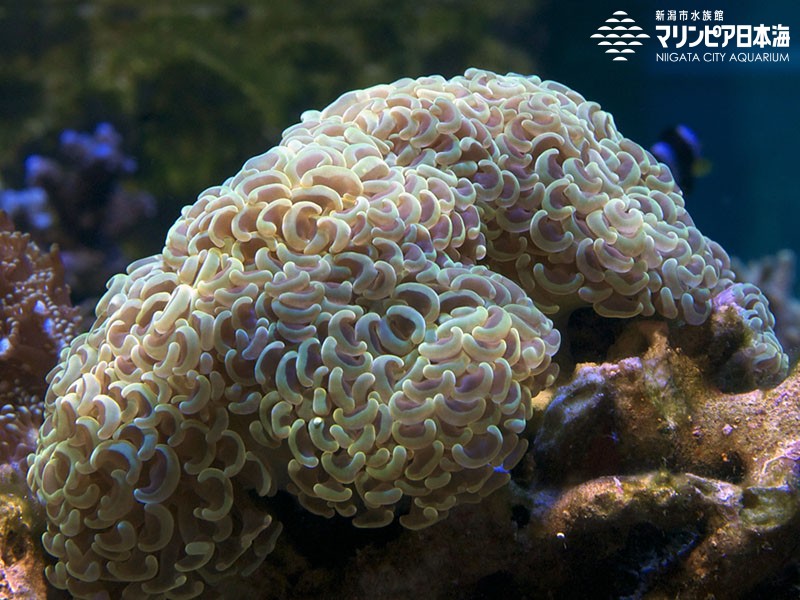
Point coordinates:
[(776, 276), (77, 200), (36, 322), (319, 324)]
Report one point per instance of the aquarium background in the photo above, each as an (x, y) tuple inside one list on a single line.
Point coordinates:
[(745, 114), (195, 88)]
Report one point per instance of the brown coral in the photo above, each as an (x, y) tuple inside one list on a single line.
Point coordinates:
[(36, 322), (319, 323)]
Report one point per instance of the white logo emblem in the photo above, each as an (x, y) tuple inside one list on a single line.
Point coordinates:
[(620, 33)]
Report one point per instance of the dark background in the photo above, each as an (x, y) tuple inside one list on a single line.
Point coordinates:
[(745, 114), (196, 88)]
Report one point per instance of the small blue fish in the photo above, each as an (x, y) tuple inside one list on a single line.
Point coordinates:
[(679, 148)]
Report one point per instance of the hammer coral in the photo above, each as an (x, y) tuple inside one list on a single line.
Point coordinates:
[(357, 317)]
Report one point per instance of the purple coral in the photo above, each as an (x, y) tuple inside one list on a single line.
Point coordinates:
[(101, 149), (76, 201)]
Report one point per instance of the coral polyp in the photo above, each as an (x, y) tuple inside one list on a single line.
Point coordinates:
[(359, 317)]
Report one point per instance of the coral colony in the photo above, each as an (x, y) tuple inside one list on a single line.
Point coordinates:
[(36, 322), (360, 317)]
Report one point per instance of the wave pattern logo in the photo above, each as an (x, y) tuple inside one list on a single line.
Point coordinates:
[(620, 34)]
